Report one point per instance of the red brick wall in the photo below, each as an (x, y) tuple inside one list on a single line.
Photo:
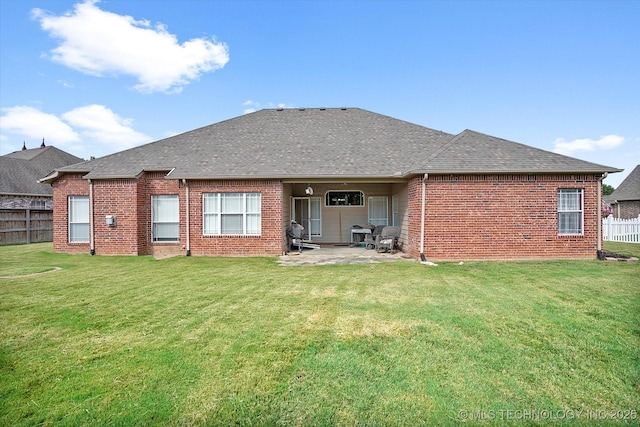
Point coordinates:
[(500, 217), (627, 209), (117, 198), (154, 183), (130, 202), (270, 242), (68, 185), (467, 217)]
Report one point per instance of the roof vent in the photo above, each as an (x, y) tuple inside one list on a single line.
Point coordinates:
[(344, 108), (301, 109), (24, 145), (42, 145), (279, 109)]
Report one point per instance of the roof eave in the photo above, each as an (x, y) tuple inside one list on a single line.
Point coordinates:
[(510, 171), (291, 178), (26, 194), (50, 178)]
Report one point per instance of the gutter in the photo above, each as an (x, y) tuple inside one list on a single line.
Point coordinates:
[(599, 251), (92, 243), (422, 216), (605, 170), (188, 219)]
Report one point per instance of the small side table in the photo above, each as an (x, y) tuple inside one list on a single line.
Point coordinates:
[(355, 231)]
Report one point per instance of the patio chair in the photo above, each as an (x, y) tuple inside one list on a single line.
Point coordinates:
[(370, 239), (387, 240)]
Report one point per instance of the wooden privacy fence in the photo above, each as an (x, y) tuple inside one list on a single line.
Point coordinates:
[(25, 226), (621, 230)]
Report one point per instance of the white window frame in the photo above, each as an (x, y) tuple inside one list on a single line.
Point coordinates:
[(373, 202), (314, 221), (213, 214), (570, 212), (78, 220), (169, 218)]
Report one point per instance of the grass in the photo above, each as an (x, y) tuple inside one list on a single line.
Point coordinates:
[(243, 341)]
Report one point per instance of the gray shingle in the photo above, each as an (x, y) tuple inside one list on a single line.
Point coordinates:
[(20, 170), (629, 189), (474, 152), (323, 143)]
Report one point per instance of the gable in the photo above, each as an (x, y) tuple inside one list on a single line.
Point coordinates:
[(629, 189), (21, 170)]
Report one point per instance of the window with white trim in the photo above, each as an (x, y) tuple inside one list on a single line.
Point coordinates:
[(231, 214), (378, 210), (78, 219), (570, 211), (165, 218)]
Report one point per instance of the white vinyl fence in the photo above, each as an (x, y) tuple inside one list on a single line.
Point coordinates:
[(621, 230)]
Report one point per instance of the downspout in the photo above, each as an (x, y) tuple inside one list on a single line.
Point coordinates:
[(92, 243), (186, 185), (422, 217), (599, 251)]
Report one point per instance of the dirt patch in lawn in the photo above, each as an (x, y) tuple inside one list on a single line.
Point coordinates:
[(17, 276)]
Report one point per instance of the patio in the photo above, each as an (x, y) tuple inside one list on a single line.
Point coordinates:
[(341, 255)]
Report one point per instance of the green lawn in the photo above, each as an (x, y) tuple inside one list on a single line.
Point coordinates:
[(243, 341)]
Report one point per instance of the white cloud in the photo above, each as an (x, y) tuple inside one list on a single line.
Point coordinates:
[(35, 125), (561, 146), (97, 42), (98, 123), (92, 129), (255, 106)]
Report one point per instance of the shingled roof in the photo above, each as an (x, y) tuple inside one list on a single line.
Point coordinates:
[(324, 143), (474, 152), (629, 189), (20, 170)]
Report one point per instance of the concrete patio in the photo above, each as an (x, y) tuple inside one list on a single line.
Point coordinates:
[(340, 255)]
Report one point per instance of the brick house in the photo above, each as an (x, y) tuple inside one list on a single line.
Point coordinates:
[(25, 204), (19, 174), (625, 200), (232, 187)]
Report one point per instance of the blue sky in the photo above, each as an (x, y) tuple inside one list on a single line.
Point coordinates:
[(96, 77)]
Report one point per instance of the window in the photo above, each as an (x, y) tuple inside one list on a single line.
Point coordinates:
[(38, 204), (344, 198), (78, 219), (315, 217), (570, 211), (165, 218), (307, 211), (394, 210), (231, 213), (379, 210)]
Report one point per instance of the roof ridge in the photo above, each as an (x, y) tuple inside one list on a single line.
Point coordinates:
[(443, 148)]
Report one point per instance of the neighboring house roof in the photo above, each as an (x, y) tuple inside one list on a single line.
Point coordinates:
[(629, 189), (20, 170), (324, 143)]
